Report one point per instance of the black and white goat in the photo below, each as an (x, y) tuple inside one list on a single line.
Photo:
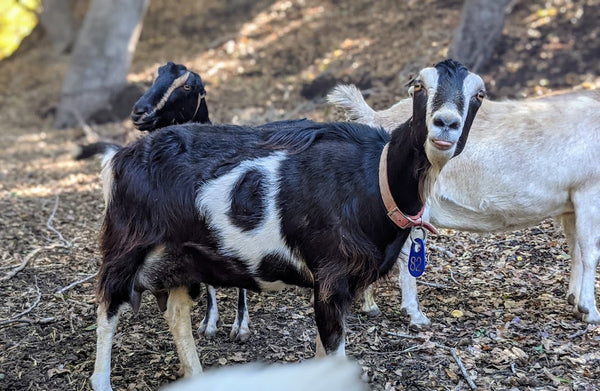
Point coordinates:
[(526, 161), (178, 96), (293, 202)]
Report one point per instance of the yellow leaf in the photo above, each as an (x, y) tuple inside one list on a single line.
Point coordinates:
[(457, 313)]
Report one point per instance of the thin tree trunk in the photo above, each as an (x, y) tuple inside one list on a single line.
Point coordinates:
[(57, 20), (101, 58), (478, 33)]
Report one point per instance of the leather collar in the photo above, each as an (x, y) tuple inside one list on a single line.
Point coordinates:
[(399, 218)]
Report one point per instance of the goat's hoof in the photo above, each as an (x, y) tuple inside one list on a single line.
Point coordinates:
[(582, 310), (592, 317), (418, 321), (100, 382), (373, 312), (209, 330), (571, 299), (239, 335)]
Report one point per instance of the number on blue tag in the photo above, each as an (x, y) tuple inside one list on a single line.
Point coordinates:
[(416, 260)]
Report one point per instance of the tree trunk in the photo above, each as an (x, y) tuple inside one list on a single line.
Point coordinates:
[(101, 58), (478, 33), (57, 20)]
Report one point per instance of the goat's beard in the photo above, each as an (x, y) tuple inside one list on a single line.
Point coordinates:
[(427, 182)]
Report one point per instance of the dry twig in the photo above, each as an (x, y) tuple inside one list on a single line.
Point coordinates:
[(34, 252), (26, 260), (434, 285), (28, 310), (73, 284), (51, 228), (463, 370)]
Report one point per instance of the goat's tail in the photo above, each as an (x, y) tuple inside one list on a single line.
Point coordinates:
[(90, 150), (349, 98)]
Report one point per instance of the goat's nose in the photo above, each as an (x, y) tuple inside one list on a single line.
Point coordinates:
[(447, 120), (141, 109)]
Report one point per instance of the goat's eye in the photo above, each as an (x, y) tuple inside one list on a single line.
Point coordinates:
[(417, 86), (480, 95), (186, 87)]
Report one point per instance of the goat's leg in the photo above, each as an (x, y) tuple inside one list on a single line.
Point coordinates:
[(178, 317), (587, 221), (240, 330), (568, 223), (408, 288), (210, 324), (369, 306), (105, 332), (329, 316)]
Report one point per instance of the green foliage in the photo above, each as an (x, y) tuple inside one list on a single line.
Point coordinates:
[(17, 20)]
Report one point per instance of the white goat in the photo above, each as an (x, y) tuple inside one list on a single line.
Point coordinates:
[(525, 161)]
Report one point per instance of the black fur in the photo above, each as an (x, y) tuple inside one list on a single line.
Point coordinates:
[(248, 201)]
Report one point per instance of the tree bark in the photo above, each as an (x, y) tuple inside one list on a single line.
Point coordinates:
[(478, 33), (57, 20), (101, 58)]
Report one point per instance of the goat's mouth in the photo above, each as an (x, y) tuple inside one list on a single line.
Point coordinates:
[(144, 124), (442, 145)]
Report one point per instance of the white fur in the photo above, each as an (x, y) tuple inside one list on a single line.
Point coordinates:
[(251, 246), (240, 331), (105, 331), (524, 161), (107, 175), (210, 324), (178, 318)]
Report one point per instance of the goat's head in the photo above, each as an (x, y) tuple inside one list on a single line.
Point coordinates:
[(446, 98), (176, 97)]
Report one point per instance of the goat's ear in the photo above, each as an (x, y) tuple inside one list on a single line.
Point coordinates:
[(411, 91)]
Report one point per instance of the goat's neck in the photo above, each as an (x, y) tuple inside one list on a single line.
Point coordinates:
[(407, 168)]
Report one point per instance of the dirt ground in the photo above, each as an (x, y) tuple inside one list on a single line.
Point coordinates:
[(267, 60)]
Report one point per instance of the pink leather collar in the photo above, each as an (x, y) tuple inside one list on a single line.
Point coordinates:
[(396, 215)]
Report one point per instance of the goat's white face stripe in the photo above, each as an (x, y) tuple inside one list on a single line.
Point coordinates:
[(214, 203), (163, 100)]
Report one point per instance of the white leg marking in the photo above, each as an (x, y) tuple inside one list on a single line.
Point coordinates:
[(210, 323), (341, 349), (319, 348), (369, 306), (240, 331), (320, 351), (177, 315), (105, 331), (568, 223), (587, 219), (408, 287)]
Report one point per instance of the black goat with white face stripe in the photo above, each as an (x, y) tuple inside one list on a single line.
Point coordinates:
[(293, 202), (177, 96)]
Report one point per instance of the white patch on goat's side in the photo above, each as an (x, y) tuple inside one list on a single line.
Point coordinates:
[(214, 203)]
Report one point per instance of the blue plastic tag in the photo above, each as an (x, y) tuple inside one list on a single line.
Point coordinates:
[(416, 260)]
